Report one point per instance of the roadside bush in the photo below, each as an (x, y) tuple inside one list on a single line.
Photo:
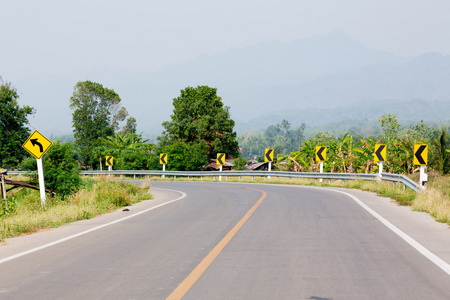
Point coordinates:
[(239, 163), (61, 171)]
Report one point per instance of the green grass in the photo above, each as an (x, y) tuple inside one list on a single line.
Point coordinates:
[(97, 196)]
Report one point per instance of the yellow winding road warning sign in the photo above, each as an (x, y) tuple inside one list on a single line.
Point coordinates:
[(37, 144)]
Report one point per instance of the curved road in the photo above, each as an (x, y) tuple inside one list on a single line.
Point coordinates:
[(229, 241)]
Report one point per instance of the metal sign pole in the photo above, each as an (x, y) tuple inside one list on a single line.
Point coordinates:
[(380, 169), (164, 169), (220, 177), (4, 191), (41, 181), (270, 168), (423, 177), (321, 169)]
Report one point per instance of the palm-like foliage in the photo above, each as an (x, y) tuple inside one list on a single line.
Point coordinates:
[(129, 141), (439, 155), (365, 152), (401, 157)]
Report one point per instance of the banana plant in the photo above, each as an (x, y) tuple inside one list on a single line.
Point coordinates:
[(365, 150), (402, 156)]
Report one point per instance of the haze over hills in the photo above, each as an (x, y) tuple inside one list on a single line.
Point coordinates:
[(266, 83)]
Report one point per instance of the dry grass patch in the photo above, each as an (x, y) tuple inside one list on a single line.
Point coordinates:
[(97, 197)]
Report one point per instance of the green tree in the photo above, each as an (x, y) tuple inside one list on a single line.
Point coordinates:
[(97, 111), (390, 127), (439, 154), (186, 156), (61, 170), (239, 163), (13, 130), (200, 118), (130, 126), (130, 151), (421, 132)]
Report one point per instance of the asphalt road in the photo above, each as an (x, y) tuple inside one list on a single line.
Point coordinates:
[(292, 243)]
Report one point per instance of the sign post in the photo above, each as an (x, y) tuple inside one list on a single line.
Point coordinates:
[(321, 156), (421, 159), (268, 157), (163, 161), (220, 161), (109, 162), (380, 157), (37, 145)]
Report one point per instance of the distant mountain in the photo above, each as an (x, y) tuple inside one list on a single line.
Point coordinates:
[(411, 111), (270, 79)]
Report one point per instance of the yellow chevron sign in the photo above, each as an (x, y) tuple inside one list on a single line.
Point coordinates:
[(380, 153), (321, 153), (163, 159), (268, 155), (109, 161), (220, 159), (420, 154)]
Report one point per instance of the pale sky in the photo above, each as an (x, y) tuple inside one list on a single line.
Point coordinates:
[(65, 37), (47, 43)]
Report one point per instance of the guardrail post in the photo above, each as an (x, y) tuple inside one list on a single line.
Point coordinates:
[(253, 178)]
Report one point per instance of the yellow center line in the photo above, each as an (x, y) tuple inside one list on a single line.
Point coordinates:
[(192, 278)]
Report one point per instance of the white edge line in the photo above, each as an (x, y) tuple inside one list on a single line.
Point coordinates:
[(424, 251), (183, 195)]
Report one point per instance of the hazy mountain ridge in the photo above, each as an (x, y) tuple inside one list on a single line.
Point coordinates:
[(411, 111), (320, 72)]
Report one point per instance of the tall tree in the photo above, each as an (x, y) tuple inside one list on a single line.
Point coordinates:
[(390, 127), (199, 116), (97, 111), (13, 130)]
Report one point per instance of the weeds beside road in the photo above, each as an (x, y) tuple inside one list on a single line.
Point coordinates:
[(97, 197)]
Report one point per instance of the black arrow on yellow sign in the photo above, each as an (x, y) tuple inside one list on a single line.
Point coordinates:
[(269, 155), (221, 158), (319, 153), (109, 160), (35, 142), (163, 158), (379, 153), (418, 154)]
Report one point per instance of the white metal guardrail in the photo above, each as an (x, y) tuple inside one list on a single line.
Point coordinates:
[(395, 178)]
